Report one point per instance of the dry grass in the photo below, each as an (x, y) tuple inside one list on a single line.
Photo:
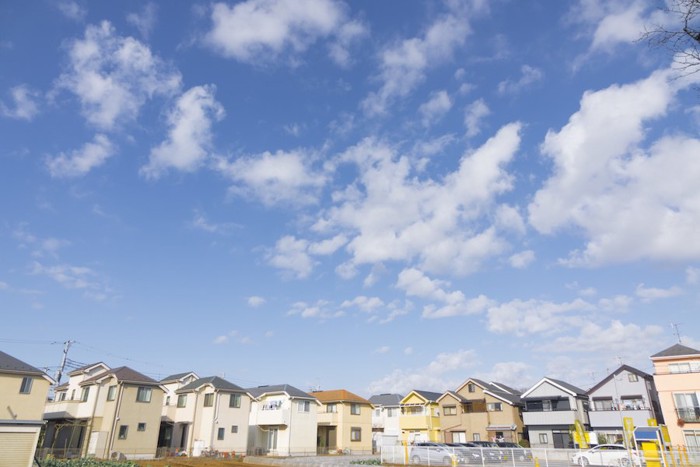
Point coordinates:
[(195, 462)]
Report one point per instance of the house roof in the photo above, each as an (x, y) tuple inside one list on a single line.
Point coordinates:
[(339, 395), (177, 377), (10, 364), (563, 385), (429, 396), (214, 381), (494, 389), (386, 399), (85, 368), (676, 350), (622, 368), (453, 394), (505, 388), (123, 374), (291, 391)]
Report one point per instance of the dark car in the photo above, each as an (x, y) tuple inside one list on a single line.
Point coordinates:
[(515, 451)]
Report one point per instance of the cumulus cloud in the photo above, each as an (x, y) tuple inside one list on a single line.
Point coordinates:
[(74, 277), (24, 103), (254, 301), (71, 10), (363, 303), (513, 374), (648, 294), (528, 75), (113, 76), (275, 178), (613, 189), (474, 115), (232, 335), (321, 309), (190, 137), (348, 35), (524, 317), (291, 254), (200, 222), (437, 106), (522, 259), (144, 20), (615, 338), (83, 160)]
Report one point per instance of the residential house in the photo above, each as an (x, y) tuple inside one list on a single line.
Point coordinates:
[(176, 417), (385, 420), (283, 421), (344, 422), (24, 390), (624, 393), (420, 417), (551, 408), (118, 411), (677, 378), (478, 411)]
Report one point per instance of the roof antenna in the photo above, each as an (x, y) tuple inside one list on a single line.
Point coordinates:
[(676, 332)]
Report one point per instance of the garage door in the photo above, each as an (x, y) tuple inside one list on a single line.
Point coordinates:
[(17, 448)]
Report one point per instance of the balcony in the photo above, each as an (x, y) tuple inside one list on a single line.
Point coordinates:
[(613, 418), (559, 417), (272, 417), (689, 414), (66, 408)]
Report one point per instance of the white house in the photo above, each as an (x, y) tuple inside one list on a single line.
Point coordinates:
[(385, 420)]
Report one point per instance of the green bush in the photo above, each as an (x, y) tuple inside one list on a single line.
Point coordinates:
[(368, 462), (85, 462)]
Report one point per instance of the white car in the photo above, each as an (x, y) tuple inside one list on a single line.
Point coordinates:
[(609, 455)]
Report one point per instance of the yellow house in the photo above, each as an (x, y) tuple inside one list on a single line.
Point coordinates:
[(344, 422), (677, 379), (481, 411), (23, 393), (420, 417)]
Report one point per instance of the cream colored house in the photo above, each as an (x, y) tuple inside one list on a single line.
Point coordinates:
[(677, 378), (217, 413), (385, 420), (420, 417), (481, 411), (117, 414), (175, 419), (23, 393), (283, 421), (344, 422)]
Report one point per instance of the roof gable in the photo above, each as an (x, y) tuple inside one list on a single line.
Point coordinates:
[(386, 399), (215, 382), (123, 374), (619, 370), (178, 377), (286, 389), (561, 385), (676, 350), (418, 396)]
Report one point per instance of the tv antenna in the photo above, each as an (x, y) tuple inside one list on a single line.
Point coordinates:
[(676, 331)]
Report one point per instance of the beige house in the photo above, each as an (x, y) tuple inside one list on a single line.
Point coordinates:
[(481, 411), (677, 378), (419, 420), (117, 414), (175, 420), (344, 422), (23, 391)]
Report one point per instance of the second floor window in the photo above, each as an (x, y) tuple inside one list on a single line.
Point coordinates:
[(471, 387), (182, 400), (26, 386), (220, 433), (355, 409), (304, 406), (123, 431), (235, 401), (143, 394), (85, 394), (603, 404), (209, 400), (332, 408), (391, 412), (449, 410), (494, 407), (112, 393)]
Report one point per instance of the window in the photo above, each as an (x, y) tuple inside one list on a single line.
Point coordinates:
[(62, 396), (477, 437), (235, 401), (471, 387), (632, 377), (112, 393), (209, 400), (355, 434), (632, 402), (26, 386), (182, 400), (72, 395), (603, 404), (414, 410), (141, 427), (494, 407), (304, 406), (546, 406), (167, 400), (354, 409), (143, 394), (544, 439), (391, 412), (123, 431), (220, 434), (234, 428), (377, 412), (84, 395), (332, 408), (449, 410)]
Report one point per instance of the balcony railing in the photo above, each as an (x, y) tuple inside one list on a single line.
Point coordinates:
[(689, 414)]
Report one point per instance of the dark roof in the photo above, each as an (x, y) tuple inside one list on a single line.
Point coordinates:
[(218, 383), (428, 395), (82, 369), (176, 377), (676, 350), (505, 388), (622, 368), (499, 391), (291, 390), (455, 395), (10, 364), (386, 399), (576, 390), (123, 374)]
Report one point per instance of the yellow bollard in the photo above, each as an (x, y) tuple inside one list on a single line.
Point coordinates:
[(537, 462)]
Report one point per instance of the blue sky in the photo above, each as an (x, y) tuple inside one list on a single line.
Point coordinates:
[(376, 196)]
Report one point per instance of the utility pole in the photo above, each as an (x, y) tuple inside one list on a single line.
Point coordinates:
[(59, 372)]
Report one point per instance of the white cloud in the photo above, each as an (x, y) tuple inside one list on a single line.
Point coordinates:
[(648, 294), (71, 10), (113, 76), (190, 137), (282, 177), (523, 317), (522, 259), (40, 247), (528, 75), (365, 304), (83, 160), (74, 277), (290, 254), (618, 303), (382, 349), (615, 191), (474, 114), (408, 350), (259, 31), (24, 103), (513, 374), (615, 338), (201, 222), (235, 335), (254, 301), (347, 35), (509, 218), (321, 309), (403, 65), (437, 106), (144, 20), (692, 275)]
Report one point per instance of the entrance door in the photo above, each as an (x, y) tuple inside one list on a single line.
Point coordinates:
[(272, 439)]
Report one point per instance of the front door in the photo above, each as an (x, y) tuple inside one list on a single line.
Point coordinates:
[(272, 439)]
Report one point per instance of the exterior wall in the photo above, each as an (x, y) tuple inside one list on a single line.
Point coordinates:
[(302, 429), (668, 384), (553, 424), (419, 427), (138, 444), (23, 406), (208, 420), (296, 431), (347, 421)]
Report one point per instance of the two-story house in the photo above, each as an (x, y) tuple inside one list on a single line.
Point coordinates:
[(176, 417), (624, 393), (118, 411), (385, 420), (551, 408), (23, 393), (283, 421), (478, 410), (217, 412), (344, 422), (677, 378), (420, 417)]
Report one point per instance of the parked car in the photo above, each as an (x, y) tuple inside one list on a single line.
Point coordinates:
[(515, 451), (470, 455), (610, 455), (487, 453), (429, 453)]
